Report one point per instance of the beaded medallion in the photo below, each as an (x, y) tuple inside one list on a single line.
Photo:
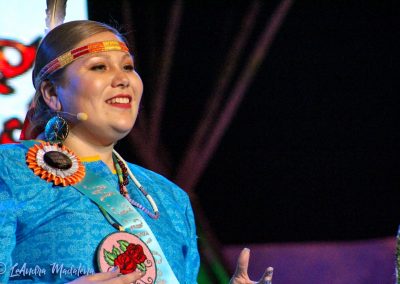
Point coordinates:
[(129, 253)]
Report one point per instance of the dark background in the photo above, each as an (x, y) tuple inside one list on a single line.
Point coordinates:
[(312, 153)]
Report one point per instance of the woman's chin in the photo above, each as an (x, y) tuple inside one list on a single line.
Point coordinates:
[(121, 132)]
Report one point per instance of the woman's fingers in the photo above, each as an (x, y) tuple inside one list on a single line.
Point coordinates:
[(98, 277), (242, 263), (129, 278), (111, 277), (267, 277), (102, 276)]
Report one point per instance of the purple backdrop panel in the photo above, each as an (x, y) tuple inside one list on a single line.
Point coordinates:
[(357, 262)]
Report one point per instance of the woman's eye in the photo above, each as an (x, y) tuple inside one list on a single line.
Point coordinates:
[(129, 67), (98, 67)]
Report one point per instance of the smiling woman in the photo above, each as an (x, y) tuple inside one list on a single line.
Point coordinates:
[(68, 199), (103, 85)]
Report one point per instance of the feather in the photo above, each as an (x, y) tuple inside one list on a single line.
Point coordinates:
[(55, 13)]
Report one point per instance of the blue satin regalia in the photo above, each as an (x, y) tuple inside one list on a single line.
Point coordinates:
[(50, 233)]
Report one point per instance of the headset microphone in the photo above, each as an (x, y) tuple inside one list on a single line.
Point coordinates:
[(81, 116)]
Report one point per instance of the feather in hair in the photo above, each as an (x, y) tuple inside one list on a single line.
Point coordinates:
[(55, 13)]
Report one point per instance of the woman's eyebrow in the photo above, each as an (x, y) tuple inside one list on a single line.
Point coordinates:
[(105, 56)]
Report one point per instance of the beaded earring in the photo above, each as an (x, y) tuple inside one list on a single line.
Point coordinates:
[(56, 130)]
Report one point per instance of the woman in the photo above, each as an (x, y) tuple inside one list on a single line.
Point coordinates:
[(70, 206)]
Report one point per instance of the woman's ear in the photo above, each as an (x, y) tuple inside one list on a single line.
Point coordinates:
[(50, 96)]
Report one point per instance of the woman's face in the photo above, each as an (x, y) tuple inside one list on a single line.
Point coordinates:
[(106, 87)]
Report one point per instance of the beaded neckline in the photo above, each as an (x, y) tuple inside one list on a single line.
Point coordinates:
[(123, 173)]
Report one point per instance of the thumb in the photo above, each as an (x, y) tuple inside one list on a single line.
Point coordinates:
[(102, 276), (242, 263)]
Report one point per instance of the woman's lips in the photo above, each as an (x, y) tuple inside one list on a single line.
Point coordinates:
[(121, 101)]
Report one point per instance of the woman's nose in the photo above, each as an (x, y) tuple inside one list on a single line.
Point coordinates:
[(120, 78)]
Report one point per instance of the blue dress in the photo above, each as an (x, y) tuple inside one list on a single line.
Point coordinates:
[(50, 233)]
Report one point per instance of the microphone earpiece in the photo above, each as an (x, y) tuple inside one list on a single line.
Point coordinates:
[(82, 116)]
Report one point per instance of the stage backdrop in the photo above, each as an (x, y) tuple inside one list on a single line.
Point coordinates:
[(22, 25)]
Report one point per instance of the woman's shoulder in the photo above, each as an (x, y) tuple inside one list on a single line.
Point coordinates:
[(150, 178), (12, 162), (10, 150), (149, 174)]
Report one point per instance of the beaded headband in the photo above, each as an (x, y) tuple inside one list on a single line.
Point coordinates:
[(70, 56)]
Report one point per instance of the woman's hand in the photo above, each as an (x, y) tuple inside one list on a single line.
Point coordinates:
[(110, 277), (241, 276)]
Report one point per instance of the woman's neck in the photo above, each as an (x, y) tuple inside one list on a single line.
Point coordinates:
[(83, 148)]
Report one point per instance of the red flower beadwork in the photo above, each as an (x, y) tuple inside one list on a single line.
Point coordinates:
[(128, 261)]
